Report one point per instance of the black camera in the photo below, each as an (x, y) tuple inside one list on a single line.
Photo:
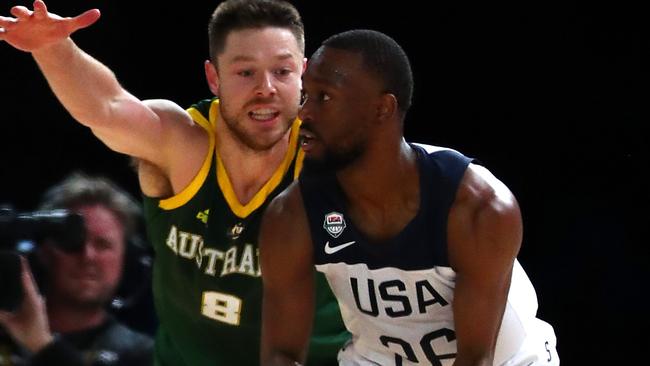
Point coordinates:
[(20, 233), (62, 226)]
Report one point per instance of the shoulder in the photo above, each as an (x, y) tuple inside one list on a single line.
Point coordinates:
[(129, 346), (437, 150), (286, 204), (183, 146), (168, 111), (484, 218), (164, 106), (430, 148), (480, 188), (122, 336), (177, 123), (444, 159), (285, 222)]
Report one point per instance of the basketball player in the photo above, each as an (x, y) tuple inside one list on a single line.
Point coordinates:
[(418, 243), (206, 172)]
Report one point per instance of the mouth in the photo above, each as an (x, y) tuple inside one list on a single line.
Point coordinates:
[(306, 139), (263, 114), (88, 275)]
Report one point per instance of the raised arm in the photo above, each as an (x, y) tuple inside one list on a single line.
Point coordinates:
[(484, 237), (89, 90), (287, 273)]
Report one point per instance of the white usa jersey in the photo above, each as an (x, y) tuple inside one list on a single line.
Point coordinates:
[(396, 297)]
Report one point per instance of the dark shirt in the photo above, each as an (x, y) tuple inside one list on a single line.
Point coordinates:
[(110, 343)]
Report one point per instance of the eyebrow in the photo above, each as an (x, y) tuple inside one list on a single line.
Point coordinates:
[(244, 58), (332, 76)]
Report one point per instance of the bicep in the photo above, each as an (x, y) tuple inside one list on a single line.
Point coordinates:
[(142, 129), (287, 272), (485, 232)]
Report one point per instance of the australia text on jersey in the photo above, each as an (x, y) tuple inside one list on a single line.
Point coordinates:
[(214, 262)]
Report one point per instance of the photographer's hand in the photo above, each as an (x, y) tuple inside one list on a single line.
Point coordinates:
[(28, 325)]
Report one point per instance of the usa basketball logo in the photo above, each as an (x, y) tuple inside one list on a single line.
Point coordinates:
[(334, 224)]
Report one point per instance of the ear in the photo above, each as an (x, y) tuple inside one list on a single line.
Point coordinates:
[(387, 107), (304, 65), (212, 76)]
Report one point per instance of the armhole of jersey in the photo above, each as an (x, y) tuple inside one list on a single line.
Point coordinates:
[(188, 192), (243, 211)]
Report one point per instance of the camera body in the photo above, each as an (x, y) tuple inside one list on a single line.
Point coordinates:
[(20, 233), (62, 226)]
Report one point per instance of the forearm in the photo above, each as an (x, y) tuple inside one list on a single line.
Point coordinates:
[(285, 336), (288, 278), (84, 86)]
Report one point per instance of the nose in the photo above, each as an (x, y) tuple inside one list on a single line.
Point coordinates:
[(89, 250), (266, 85), (304, 113)]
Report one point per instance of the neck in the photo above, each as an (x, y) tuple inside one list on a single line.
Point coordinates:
[(382, 191), (390, 167), (248, 169)]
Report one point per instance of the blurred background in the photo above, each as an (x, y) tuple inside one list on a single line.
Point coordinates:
[(551, 96)]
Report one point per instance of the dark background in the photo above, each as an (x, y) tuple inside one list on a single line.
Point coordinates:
[(551, 96)]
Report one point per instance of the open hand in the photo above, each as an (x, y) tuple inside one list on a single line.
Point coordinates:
[(33, 30)]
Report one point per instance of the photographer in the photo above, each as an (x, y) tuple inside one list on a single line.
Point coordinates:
[(70, 325)]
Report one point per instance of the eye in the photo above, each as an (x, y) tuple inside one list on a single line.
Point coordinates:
[(104, 244), (282, 72), (324, 97), (245, 73), (321, 97)]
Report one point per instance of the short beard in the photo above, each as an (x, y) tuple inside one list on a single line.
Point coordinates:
[(332, 162), (232, 124)]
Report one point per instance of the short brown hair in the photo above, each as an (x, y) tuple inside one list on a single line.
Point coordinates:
[(79, 189), (232, 15)]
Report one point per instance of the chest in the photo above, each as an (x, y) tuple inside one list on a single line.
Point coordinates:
[(379, 225)]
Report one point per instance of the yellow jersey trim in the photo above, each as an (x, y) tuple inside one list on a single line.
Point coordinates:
[(243, 211), (188, 192)]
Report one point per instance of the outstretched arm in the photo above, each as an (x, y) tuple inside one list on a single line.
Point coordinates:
[(287, 273), (88, 89), (484, 237)]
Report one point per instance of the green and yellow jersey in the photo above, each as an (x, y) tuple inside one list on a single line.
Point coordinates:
[(207, 282)]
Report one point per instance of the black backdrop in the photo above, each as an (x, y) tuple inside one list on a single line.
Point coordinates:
[(551, 96)]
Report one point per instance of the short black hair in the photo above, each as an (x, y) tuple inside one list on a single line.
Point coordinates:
[(232, 15), (382, 56)]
